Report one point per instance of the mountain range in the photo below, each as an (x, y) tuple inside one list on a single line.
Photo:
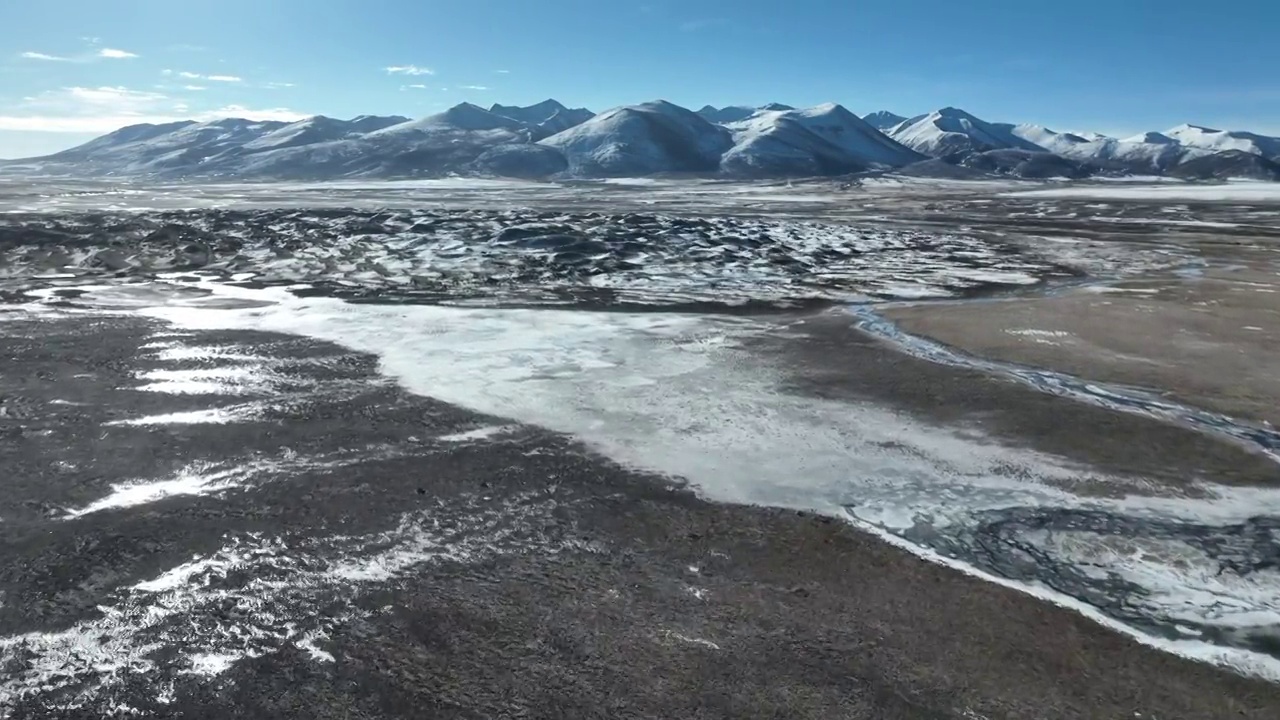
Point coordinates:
[(654, 138)]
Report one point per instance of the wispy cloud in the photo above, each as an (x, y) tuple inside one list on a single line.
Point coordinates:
[(44, 56), (100, 54), (409, 70), (473, 87), (413, 87), (194, 87), (279, 85), (503, 72), (210, 78), (114, 54), (107, 108), (264, 114)]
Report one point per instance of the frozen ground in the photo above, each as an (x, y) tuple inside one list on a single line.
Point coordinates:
[(498, 312), (1235, 191)]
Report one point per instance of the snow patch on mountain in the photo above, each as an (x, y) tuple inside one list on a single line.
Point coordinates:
[(883, 119), (124, 136), (1223, 140), (951, 130), (157, 148), (1154, 138), (653, 137), (1148, 152), (546, 118), (464, 117), (821, 140), (737, 113), (321, 129)]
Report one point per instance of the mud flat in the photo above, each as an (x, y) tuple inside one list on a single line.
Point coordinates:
[(1209, 336)]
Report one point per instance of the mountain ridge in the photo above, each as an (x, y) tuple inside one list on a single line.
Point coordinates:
[(550, 139)]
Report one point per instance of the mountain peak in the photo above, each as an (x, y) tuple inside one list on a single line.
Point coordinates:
[(473, 117), (954, 112), (1188, 127), (883, 119), (1153, 138), (737, 113), (466, 107), (545, 118), (660, 104), (547, 107)]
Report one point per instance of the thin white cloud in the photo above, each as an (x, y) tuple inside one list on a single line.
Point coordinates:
[(409, 70), (413, 87), (114, 54), (279, 85), (503, 72), (474, 87), (43, 56), (211, 78), (107, 108), (120, 97), (194, 87), (262, 115)]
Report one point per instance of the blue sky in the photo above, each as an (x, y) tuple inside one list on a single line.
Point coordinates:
[(72, 69)]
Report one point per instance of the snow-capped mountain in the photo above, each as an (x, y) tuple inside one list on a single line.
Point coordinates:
[(1222, 140), (1146, 153), (951, 130), (653, 137), (547, 117), (883, 119), (822, 140), (1053, 141), (102, 147), (549, 139), (736, 113), (321, 129), (450, 141), (160, 148), (463, 118), (1154, 138)]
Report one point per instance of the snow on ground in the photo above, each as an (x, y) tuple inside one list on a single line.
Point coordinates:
[(275, 589), (724, 422), (1238, 191)]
